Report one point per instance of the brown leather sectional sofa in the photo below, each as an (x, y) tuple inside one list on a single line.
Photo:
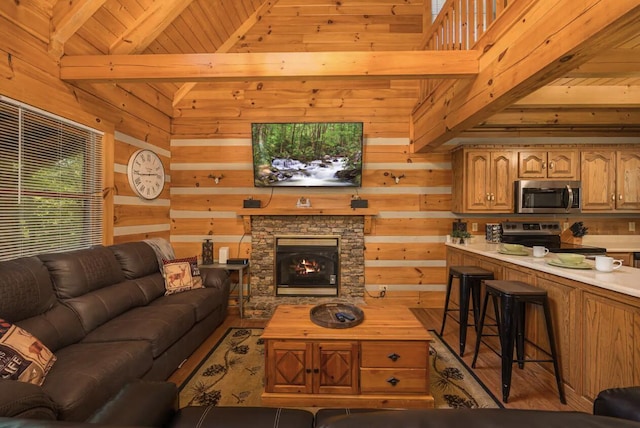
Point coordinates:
[(104, 314)]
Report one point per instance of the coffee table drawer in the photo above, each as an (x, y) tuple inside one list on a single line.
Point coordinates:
[(394, 354), (393, 380)]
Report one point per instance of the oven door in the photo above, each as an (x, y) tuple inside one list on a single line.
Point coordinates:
[(547, 197)]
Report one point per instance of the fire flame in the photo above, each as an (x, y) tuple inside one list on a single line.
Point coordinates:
[(306, 267)]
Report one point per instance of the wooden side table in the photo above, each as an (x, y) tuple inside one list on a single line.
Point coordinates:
[(242, 270)]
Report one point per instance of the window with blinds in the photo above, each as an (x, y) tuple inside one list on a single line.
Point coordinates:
[(50, 183)]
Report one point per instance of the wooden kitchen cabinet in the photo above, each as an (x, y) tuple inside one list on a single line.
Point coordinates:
[(611, 351), (628, 180), (312, 367), (610, 180), (542, 164), (483, 181)]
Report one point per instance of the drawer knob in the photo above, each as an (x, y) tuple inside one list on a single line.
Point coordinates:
[(393, 381), (393, 357)]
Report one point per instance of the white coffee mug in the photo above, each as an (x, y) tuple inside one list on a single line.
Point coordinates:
[(540, 251), (607, 264)]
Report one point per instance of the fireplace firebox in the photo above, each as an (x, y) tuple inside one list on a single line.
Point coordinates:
[(307, 266)]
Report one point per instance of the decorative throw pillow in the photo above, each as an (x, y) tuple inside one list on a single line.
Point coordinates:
[(22, 356), (181, 275)]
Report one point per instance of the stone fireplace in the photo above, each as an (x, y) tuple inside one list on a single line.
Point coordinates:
[(267, 230)]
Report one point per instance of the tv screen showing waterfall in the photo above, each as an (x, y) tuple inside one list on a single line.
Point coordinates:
[(319, 154)]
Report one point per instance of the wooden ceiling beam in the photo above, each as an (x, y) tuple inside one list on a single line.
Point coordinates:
[(251, 66), (148, 26), (614, 63), (582, 96), (541, 46), (563, 118), (67, 18)]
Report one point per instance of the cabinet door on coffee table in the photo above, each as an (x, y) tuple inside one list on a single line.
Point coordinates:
[(337, 365), (289, 367)]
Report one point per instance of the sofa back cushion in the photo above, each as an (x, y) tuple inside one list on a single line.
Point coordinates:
[(92, 283), (25, 289), (27, 299), (139, 262), (137, 259)]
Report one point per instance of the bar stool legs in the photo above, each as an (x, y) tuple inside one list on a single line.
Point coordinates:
[(470, 278), (512, 298)]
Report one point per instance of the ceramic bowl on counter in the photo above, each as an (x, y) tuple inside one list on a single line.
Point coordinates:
[(571, 258), (513, 248)]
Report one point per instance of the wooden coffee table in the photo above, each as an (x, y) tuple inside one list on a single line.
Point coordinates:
[(382, 362)]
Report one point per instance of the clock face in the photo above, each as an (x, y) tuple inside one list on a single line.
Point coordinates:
[(146, 174)]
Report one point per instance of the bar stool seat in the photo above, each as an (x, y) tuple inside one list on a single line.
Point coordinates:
[(470, 278), (509, 300)]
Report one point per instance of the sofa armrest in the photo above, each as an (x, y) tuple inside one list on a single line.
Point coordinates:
[(140, 403), (619, 403), (25, 400), (215, 278)]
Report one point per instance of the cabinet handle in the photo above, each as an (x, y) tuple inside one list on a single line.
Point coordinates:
[(550, 165), (493, 198), (393, 357), (613, 196), (620, 196), (393, 381), (316, 371), (308, 371), (544, 165), (488, 197)]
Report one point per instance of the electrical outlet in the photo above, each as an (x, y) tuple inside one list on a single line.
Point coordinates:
[(565, 225), (474, 227), (632, 226)]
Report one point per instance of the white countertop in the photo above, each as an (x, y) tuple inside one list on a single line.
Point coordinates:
[(614, 243), (624, 280)]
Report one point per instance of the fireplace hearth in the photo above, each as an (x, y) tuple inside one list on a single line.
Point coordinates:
[(307, 266)]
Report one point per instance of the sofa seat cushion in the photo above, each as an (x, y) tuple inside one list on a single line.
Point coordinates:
[(160, 326), (202, 300), (86, 375)]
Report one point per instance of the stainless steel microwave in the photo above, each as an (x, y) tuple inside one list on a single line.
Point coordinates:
[(547, 197)]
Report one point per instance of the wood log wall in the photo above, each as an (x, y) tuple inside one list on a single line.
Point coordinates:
[(210, 135)]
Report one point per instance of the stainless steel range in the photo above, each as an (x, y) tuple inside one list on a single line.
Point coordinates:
[(544, 233)]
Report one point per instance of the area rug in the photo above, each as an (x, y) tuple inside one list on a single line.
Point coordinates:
[(233, 375)]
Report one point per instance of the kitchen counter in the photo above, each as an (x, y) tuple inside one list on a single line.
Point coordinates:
[(624, 280), (614, 243)]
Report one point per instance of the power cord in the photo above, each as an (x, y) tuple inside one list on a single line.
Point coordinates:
[(381, 294)]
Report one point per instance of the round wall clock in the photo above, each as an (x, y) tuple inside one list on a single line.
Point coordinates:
[(146, 174)]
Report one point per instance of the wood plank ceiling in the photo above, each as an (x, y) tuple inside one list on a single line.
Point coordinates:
[(601, 97)]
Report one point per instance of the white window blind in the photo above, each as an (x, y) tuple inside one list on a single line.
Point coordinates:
[(50, 183)]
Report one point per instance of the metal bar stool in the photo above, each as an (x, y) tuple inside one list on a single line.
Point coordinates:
[(509, 300), (470, 278)]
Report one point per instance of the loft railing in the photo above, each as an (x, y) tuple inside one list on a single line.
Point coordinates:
[(458, 26), (460, 23)]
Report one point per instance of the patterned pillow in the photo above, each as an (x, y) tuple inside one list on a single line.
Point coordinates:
[(181, 275), (22, 356)]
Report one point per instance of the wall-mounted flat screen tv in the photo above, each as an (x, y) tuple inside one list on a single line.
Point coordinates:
[(318, 154)]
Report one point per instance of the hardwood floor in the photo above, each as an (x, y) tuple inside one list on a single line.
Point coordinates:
[(531, 387)]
